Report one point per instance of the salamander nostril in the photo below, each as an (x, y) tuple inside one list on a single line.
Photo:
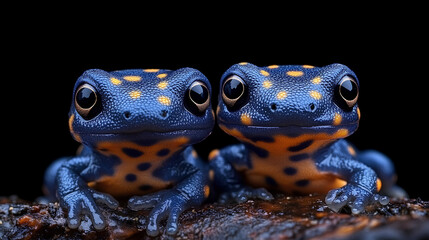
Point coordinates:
[(127, 114), (273, 107), (164, 113), (312, 107)]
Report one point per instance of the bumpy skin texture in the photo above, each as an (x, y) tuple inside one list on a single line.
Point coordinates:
[(136, 127), (291, 121)]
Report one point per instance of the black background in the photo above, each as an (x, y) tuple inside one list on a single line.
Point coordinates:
[(45, 54)]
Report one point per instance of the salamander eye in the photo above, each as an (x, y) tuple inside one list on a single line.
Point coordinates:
[(197, 98), (348, 90), (87, 101), (234, 92)]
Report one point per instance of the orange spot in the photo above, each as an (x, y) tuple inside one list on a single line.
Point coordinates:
[(307, 66), (341, 133), (206, 191), (132, 78), (337, 119), (164, 100), (379, 184), (115, 81), (295, 73), (267, 84), (246, 119), (273, 66), (213, 154), (162, 85), (281, 95), (316, 80), (358, 113), (135, 94), (162, 75), (75, 135), (351, 150), (152, 70), (315, 94), (211, 174), (265, 73)]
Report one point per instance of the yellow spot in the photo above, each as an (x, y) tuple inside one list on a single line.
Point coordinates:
[(135, 94), (243, 63), (307, 66), (206, 191), (316, 80), (341, 133), (211, 174), (162, 75), (164, 100), (295, 73), (267, 84), (265, 73), (132, 78), (162, 85), (115, 81), (213, 154), (281, 95), (273, 66), (75, 135), (379, 184), (245, 119), (351, 150), (151, 70), (337, 119), (315, 94)]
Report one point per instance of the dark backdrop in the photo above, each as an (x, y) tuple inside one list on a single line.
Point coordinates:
[(42, 62)]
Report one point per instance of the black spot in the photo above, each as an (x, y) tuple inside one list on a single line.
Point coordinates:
[(299, 157), (131, 152), (145, 187), (302, 183), (163, 152), (130, 177), (290, 171), (261, 139), (145, 142), (262, 153), (143, 166), (270, 181), (300, 146)]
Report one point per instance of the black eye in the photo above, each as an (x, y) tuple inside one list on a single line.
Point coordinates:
[(348, 90), (234, 92), (87, 102), (197, 98)]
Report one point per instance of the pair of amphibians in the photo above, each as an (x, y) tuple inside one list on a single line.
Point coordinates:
[(137, 128)]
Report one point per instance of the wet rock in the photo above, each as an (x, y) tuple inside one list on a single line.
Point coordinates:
[(300, 217)]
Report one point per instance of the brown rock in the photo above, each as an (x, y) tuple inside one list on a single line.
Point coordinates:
[(305, 217)]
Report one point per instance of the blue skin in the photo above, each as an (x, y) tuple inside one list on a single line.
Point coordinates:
[(292, 141), (136, 142)]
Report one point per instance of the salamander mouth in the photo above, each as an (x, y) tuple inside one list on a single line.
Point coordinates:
[(313, 127), (290, 130), (195, 135)]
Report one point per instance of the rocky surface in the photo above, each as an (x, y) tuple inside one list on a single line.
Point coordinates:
[(304, 217)]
